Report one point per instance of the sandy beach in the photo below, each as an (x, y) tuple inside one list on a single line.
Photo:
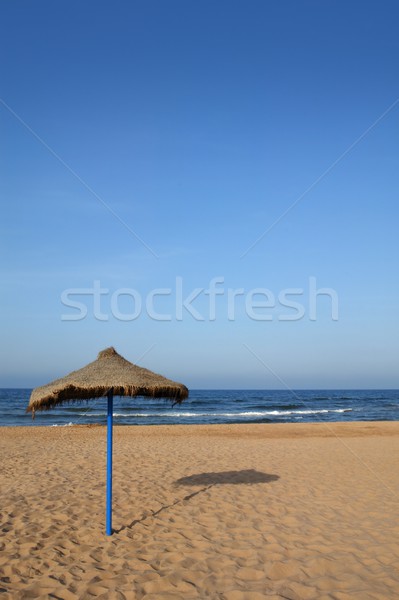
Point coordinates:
[(230, 512)]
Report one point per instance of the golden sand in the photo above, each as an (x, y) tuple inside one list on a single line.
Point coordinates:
[(230, 512)]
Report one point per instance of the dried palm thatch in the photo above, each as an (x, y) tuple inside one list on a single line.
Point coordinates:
[(109, 371)]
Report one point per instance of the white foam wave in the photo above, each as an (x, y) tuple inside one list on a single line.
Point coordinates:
[(186, 414)]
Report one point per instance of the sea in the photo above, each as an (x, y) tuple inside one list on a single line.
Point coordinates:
[(212, 406)]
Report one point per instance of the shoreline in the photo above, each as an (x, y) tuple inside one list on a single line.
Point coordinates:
[(274, 430)]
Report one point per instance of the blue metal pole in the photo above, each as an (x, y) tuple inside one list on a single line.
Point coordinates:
[(108, 516)]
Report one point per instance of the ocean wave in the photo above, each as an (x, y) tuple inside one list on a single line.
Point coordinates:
[(249, 413)]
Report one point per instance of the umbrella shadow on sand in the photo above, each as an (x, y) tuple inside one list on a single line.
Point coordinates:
[(245, 476), (208, 480), (230, 477)]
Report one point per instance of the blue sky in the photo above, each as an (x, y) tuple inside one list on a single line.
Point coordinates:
[(147, 145)]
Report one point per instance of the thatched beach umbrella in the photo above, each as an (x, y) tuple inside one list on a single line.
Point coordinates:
[(109, 375)]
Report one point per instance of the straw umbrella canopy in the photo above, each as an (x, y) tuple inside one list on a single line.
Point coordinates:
[(108, 371), (109, 375)]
